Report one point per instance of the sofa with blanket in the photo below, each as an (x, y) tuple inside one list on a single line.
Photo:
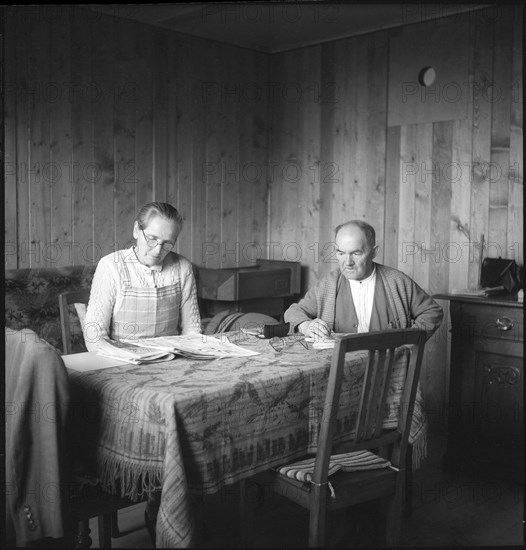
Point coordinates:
[(31, 301)]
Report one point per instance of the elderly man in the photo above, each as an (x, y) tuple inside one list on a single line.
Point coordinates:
[(362, 296)]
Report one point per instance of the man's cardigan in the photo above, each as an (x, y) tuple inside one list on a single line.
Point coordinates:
[(413, 306)]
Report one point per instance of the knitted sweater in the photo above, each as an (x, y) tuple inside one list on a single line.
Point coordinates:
[(413, 306)]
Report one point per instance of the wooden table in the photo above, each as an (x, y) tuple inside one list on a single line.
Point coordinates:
[(188, 426)]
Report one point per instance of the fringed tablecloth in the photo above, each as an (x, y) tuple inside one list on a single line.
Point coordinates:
[(188, 426)]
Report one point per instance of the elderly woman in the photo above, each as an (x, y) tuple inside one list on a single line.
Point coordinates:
[(146, 290)]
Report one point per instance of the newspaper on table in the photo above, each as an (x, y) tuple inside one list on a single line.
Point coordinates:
[(193, 346), (131, 353)]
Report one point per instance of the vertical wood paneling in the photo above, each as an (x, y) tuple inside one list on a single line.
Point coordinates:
[(235, 77), (460, 176), (41, 90), (516, 182), (481, 139), (331, 101), (286, 178), (392, 187), (276, 111), (352, 184), (163, 98), (425, 248), (126, 80), (344, 93), (147, 110), (215, 162), (311, 182), (440, 205), (180, 109), (85, 88), (60, 143), (408, 174), (102, 116), (197, 133), (24, 89), (283, 159), (12, 92), (252, 129), (500, 137), (143, 65), (375, 152)]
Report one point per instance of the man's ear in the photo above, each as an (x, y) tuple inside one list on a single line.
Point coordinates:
[(375, 250), (135, 230)]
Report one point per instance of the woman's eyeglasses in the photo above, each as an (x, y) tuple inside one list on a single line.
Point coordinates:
[(151, 242)]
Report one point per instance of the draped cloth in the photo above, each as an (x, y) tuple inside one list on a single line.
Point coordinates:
[(190, 427), (36, 401)]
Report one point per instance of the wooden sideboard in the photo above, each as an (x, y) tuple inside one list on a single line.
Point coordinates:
[(485, 413)]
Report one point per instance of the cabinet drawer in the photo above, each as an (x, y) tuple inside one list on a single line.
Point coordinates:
[(490, 321)]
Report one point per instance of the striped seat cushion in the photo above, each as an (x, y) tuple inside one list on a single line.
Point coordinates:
[(348, 462)]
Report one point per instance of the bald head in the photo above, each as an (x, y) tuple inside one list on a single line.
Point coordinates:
[(368, 230), (355, 249)]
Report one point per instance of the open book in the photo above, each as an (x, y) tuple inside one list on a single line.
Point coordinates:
[(130, 353), (194, 346)]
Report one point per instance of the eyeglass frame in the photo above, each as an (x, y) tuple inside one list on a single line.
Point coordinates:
[(149, 240), (286, 342)]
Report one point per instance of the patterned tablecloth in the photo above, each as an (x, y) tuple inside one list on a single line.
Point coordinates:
[(192, 426)]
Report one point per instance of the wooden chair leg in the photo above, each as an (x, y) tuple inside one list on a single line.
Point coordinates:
[(104, 523), (201, 533), (82, 538), (318, 517), (246, 512), (408, 504), (115, 524), (394, 511), (251, 495)]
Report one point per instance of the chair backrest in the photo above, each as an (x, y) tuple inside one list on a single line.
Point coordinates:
[(64, 301), (374, 391)]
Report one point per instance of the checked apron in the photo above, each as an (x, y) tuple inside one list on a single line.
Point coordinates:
[(145, 312)]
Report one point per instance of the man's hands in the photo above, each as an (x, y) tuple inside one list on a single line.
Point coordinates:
[(317, 329)]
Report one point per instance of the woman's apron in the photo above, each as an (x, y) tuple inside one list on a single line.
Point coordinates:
[(146, 312)]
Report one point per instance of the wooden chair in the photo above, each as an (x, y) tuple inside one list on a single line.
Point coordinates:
[(100, 504), (91, 501), (344, 489), (64, 301)]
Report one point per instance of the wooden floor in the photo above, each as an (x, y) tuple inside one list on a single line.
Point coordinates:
[(448, 510)]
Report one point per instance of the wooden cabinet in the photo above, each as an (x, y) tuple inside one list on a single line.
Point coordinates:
[(266, 287), (485, 413)]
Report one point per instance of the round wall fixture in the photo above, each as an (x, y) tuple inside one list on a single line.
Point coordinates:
[(427, 76)]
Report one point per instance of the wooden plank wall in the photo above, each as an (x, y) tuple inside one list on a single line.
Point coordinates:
[(429, 189), (263, 155), (104, 115)]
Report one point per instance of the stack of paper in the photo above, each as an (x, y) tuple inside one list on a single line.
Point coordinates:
[(326, 343), (481, 292)]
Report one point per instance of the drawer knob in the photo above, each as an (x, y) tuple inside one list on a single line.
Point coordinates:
[(504, 323)]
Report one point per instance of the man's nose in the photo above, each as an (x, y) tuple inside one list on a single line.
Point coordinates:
[(348, 260)]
